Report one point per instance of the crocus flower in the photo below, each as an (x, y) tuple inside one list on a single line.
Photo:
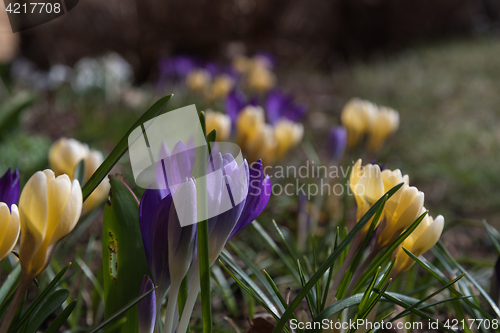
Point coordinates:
[(399, 215), (147, 307), (383, 123), (242, 64), (336, 141), (421, 240), (356, 117), (279, 105), (176, 68), (49, 208), (248, 122), (367, 186), (220, 122), (235, 102), (9, 229), (170, 248), (198, 80), (288, 134), (9, 187), (259, 192), (221, 86), (64, 156), (261, 79)]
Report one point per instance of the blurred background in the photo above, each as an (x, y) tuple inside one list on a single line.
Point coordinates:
[(93, 71)]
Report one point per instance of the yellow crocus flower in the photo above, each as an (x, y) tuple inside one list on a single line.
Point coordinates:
[(399, 215), (221, 86), (288, 134), (49, 209), (260, 78), (384, 123), (219, 121), (262, 145), (367, 186), (421, 240), (356, 117), (64, 156), (198, 79), (248, 123), (9, 229)]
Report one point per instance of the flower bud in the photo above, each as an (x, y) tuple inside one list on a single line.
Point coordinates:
[(248, 123), (337, 140), (198, 79), (49, 209), (399, 215), (220, 122), (261, 79), (9, 229), (9, 187), (421, 240), (356, 117), (92, 162), (384, 123), (221, 86), (147, 307), (288, 134), (65, 154)]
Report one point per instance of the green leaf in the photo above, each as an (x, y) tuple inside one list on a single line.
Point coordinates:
[(8, 288), (277, 250), (122, 311), (10, 111), (45, 309), (121, 148), (257, 273), (331, 260), (61, 319), (441, 247), (225, 290), (251, 284), (124, 260), (52, 285)]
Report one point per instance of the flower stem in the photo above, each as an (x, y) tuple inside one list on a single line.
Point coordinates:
[(204, 258), (191, 300), (171, 306), (14, 305)]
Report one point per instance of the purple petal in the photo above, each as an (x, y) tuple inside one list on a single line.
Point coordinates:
[(159, 244), (9, 187), (234, 103), (147, 207), (259, 192), (147, 307), (337, 140)]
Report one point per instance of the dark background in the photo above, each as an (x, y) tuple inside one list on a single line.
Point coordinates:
[(320, 32)]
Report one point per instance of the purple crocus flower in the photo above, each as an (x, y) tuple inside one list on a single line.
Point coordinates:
[(337, 140), (176, 68), (259, 192), (280, 105), (147, 307), (235, 102), (9, 187)]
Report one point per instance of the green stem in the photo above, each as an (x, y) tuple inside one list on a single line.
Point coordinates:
[(203, 254), (14, 305)]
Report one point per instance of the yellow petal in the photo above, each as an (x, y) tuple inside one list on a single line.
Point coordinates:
[(71, 214), (33, 215), (10, 233)]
